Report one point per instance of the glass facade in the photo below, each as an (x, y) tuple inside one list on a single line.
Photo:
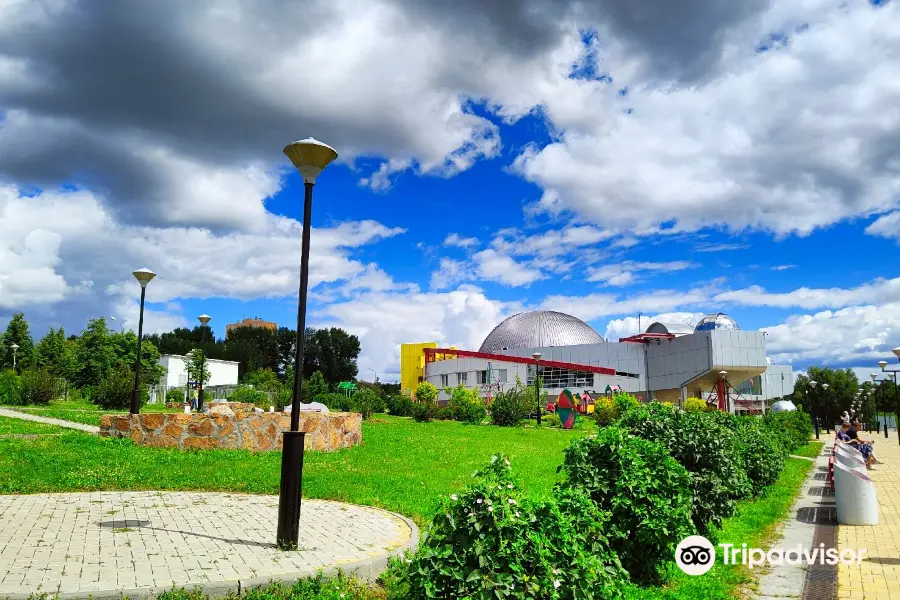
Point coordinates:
[(554, 377)]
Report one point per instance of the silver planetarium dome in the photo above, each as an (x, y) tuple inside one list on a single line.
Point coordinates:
[(537, 329), (714, 321)]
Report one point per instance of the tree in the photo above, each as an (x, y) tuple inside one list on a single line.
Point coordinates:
[(182, 340), (94, 354), (124, 346), (197, 367), (315, 385), (332, 351), (828, 403), (16, 333), (253, 347), (55, 353)]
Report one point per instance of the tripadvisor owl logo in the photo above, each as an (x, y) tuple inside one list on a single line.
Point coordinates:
[(695, 555)]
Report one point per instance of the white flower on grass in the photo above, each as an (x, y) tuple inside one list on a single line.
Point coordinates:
[(507, 461), (511, 501), (556, 583), (490, 509), (454, 497), (480, 500), (556, 571), (517, 514), (509, 485)]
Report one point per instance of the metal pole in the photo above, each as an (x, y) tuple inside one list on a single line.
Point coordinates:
[(884, 407), (537, 390), (292, 444), (136, 393), (816, 411), (14, 359), (202, 368)]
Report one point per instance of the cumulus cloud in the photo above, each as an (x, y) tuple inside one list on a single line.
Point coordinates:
[(619, 328), (878, 291), (454, 239), (625, 273)]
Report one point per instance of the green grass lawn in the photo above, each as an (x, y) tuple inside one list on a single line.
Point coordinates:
[(81, 411), (811, 450), (18, 426), (402, 465)]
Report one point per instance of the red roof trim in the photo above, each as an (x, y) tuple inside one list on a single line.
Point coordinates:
[(431, 352)]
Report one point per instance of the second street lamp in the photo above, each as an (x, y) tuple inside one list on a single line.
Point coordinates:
[(537, 384), (204, 322), (15, 349), (143, 276), (893, 373), (310, 157), (813, 384)]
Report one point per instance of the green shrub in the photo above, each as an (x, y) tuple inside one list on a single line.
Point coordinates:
[(114, 390), (335, 402), (694, 405), (552, 420), (423, 412), (250, 395), (400, 405), (39, 386), (442, 413), (466, 405), (491, 542), (707, 449), (364, 401), (174, 395), (625, 402), (426, 393), (647, 493), (508, 408), (605, 411), (10, 388), (763, 453), (795, 427)]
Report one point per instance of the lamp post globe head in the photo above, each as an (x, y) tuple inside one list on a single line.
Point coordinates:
[(874, 376), (882, 364), (310, 157), (204, 319), (723, 374), (536, 356), (14, 347), (825, 386), (813, 383), (144, 276)]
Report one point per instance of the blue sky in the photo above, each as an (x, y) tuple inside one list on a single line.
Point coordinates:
[(722, 157)]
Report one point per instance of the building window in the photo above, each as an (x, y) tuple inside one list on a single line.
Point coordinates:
[(445, 381), (501, 375), (481, 377), (554, 377), (462, 378)]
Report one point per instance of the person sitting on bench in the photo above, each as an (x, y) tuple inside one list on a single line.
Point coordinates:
[(849, 435)]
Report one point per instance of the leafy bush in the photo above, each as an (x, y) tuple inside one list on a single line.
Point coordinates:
[(466, 405), (694, 405), (400, 405), (250, 395), (365, 401), (647, 493), (114, 390), (423, 412), (763, 453), (173, 395), (491, 542), (426, 393), (10, 387), (335, 402), (509, 408), (795, 427), (625, 402), (605, 411), (552, 420), (39, 386), (707, 449), (442, 413)]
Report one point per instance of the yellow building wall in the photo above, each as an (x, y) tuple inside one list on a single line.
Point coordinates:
[(412, 364)]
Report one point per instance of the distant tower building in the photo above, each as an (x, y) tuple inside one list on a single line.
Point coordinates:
[(254, 322)]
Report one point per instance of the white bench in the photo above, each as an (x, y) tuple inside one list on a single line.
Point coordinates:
[(855, 496)]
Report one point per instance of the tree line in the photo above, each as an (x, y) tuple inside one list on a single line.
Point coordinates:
[(844, 393), (101, 360)]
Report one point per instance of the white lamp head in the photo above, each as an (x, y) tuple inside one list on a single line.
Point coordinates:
[(882, 364), (204, 319), (723, 374), (310, 156), (536, 356), (14, 347), (144, 276), (813, 384), (874, 376), (896, 352), (825, 386)]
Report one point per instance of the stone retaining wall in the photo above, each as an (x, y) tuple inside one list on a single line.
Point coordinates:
[(250, 431)]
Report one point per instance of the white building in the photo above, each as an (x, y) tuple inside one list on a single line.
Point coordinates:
[(221, 373), (715, 361)]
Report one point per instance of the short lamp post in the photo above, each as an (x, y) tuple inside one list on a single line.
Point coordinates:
[(119, 323), (893, 373), (537, 384), (143, 276), (825, 387), (15, 349), (874, 377), (723, 391), (815, 412), (204, 322), (310, 157)]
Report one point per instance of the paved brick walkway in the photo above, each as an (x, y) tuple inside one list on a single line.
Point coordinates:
[(14, 414), (106, 543), (878, 577)]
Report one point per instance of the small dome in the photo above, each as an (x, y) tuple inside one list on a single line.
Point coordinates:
[(538, 329), (716, 321), (783, 406), (676, 329)]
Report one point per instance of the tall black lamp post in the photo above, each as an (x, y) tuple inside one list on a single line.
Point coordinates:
[(893, 373), (204, 322), (537, 384), (813, 385), (144, 276), (309, 156), (825, 394), (874, 377)]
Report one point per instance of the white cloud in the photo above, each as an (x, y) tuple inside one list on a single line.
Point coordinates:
[(454, 239), (877, 292), (494, 266), (624, 327), (783, 267), (450, 273), (624, 273), (765, 140), (595, 306), (886, 226)]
